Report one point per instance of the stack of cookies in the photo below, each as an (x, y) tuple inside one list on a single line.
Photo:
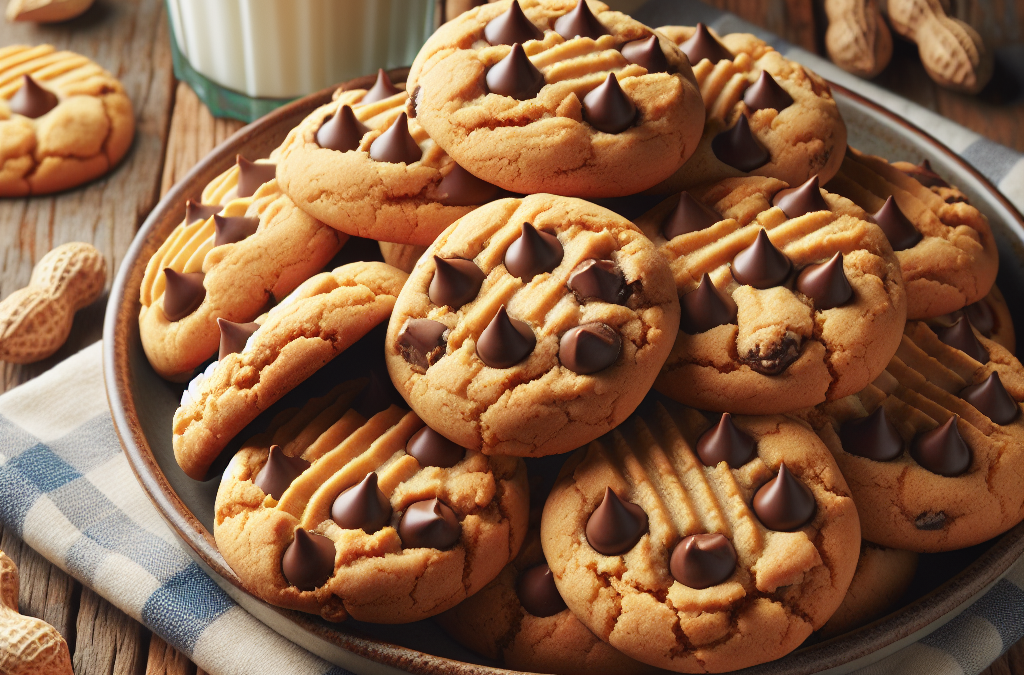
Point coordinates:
[(781, 377)]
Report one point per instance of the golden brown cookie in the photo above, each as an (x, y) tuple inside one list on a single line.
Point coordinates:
[(544, 116), (532, 325), (63, 120), (777, 312), (990, 316), (701, 555), (402, 256), (312, 325), (926, 176), (883, 575), (331, 513)]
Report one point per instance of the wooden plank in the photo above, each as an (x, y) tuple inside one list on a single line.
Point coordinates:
[(109, 641), (45, 591), (166, 660)]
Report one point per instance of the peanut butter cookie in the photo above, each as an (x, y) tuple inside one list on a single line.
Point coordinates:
[(883, 575)]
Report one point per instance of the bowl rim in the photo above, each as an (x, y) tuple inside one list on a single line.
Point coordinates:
[(122, 315)]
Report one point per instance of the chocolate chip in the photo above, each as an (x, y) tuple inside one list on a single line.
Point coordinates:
[(580, 22), (930, 521), (761, 265), (342, 132), (615, 526), (423, 342), (456, 281), (534, 252), (825, 283), (599, 280), (942, 450), (279, 472), (646, 53), (362, 507), (738, 148), (784, 504), (777, 359), (515, 76), (233, 336), (689, 215), (429, 524), (725, 442), (233, 229), (589, 348), (801, 200), (505, 341), (461, 188), (396, 145), (251, 175), (510, 27), (925, 175), (982, 317), (381, 89), (607, 108), (766, 93), (705, 308), (873, 437), (961, 336), (992, 400), (32, 100), (378, 395), (197, 211), (430, 448), (308, 562), (703, 45), (897, 228), (537, 592), (183, 293), (703, 560)]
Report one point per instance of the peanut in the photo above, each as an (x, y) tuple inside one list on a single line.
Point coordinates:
[(952, 52), (28, 646), (857, 39), (36, 320), (46, 11)]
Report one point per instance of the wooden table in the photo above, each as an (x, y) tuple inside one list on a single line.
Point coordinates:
[(130, 38)]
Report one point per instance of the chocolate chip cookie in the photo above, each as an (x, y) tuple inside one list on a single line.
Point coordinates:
[(990, 316)]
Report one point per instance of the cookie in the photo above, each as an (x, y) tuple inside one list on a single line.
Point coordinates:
[(402, 256), (242, 245), (932, 449), (924, 174), (380, 518), (766, 115), (777, 312), (883, 575), (947, 252), (364, 168), (63, 120), (589, 104), (532, 326), (316, 322), (990, 316), (702, 547)]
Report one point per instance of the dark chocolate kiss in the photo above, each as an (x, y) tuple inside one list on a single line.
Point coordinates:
[(461, 188), (183, 293), (233, 336), (505, 341), (378, 395), (725, 442), (362, 506), (607, 108), (580, 22), (510, 27), (308, 562), (598, 280), (396, 145), (589, 348), (982, 317), (233, 229), (31, 100), (689, 215), (429, 524), (646, 53), (381, 89), (251, 175), (766, 93), (703, 560), (992, 400), (430, 448), (873, 437), (537, 592), (456, 281), (703, 45), (422, 342), (784, 503), (738, 148), (801, 200), (196, 211), (897, 228), (961, 336), (925, 175), (534, 252), (942, 450), (615, 526), (515, 76), (279, 472), (705, 308), (825, 283), (342, 132), (761, 265)]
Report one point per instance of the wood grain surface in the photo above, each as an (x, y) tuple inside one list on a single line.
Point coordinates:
[(174, 130)]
